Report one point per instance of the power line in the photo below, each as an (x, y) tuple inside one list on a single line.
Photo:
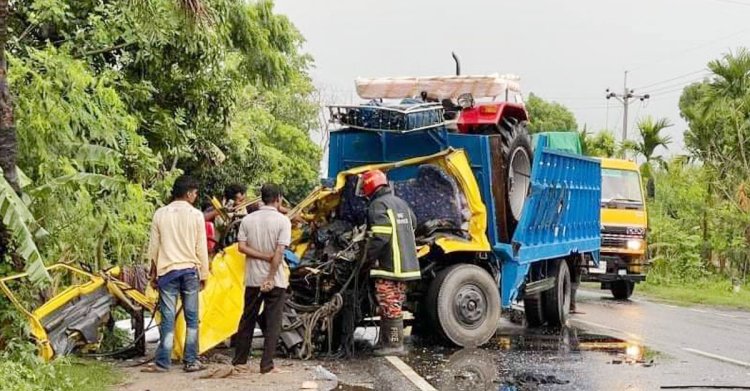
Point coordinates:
[(702, 70), (733, 2), (674, 55), (675, 85)]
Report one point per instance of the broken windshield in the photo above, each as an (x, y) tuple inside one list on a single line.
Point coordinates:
[(621, 186)]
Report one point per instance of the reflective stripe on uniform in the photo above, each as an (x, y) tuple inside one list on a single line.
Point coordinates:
[(394, 244), (382, 229), (383, 273)]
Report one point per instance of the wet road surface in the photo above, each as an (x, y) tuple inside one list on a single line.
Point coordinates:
[(635, 345)]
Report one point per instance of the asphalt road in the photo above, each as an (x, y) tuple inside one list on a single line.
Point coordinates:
[(634, 345)]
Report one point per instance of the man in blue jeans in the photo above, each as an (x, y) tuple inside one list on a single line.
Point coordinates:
[(179, 266)]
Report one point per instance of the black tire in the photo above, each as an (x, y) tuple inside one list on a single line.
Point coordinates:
[(622, 290), (464, 302), (532, 309), (517, 159), (556, 301)]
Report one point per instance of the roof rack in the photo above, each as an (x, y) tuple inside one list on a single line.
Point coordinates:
[(397, 119)]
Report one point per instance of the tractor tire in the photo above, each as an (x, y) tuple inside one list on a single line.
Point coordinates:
[(517, 159), (465, 303), (622, 290), (556, 301), (533, 310)]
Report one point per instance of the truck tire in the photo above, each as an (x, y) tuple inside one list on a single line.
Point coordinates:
[(464, 301), (533, 310), (556, 301), (517, 158), (622, 290)]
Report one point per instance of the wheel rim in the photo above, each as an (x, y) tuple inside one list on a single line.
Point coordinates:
[(519, 178), (470, 306)]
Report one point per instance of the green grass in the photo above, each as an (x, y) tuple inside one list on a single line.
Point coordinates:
[(30, 374), (710, 292)]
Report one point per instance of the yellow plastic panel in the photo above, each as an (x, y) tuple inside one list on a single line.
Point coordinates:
[(221, 303)]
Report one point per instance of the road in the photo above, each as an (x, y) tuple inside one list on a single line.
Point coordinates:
[(634, 345)]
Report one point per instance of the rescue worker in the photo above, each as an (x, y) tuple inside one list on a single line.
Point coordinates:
[(391, 256)]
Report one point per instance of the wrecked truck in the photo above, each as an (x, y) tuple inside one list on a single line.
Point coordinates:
[(496, 222)]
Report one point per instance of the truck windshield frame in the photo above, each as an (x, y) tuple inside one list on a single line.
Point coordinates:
[(621, 188)]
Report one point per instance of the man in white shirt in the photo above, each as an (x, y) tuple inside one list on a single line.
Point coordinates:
[(179, 256), (263, 237)]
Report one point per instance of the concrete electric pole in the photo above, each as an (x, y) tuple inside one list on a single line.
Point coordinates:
[(625, 98)]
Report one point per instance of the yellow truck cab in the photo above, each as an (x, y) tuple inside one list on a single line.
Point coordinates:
[(624, 226)]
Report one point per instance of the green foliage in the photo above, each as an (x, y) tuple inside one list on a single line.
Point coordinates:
[(115, 99), (651, 138), (602, 144), (23, 371), (549, 116)]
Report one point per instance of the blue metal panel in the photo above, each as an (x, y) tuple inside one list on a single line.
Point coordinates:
[(352, 148), (560, 217)]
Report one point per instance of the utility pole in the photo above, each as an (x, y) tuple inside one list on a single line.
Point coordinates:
[(625, 98)]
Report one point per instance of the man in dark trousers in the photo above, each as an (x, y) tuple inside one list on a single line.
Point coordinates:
[(392, 255), (263, 237)]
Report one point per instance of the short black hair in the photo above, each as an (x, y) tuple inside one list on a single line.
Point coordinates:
[(183, 185), (232, 190), (270, 192)]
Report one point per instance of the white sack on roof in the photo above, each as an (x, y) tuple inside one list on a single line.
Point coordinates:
[(441, 87)]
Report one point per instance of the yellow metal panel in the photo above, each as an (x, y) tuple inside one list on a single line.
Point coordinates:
[(624, 218), (221, 303), (619, 164)]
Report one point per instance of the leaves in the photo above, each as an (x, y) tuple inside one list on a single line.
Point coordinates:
[(19, 221), (549, 116)]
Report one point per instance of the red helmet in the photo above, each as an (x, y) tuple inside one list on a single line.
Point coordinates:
[(371, 181)]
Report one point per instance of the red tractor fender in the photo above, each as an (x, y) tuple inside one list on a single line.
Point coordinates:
[(489, 114)]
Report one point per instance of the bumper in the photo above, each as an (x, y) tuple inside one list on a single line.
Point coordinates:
[(611, 277)]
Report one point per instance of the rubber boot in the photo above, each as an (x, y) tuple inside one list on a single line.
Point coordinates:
[(391, 338)]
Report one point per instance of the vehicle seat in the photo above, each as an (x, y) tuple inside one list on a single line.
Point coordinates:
[(432, 195)]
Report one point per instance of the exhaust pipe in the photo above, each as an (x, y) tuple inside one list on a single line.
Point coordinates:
[(458, 64)]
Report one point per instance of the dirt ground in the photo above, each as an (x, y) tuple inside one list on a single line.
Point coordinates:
[(351, 374)]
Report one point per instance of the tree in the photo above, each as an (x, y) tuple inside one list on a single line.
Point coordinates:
[(651, 138), (114, 99), (549, 116), (602, 144)]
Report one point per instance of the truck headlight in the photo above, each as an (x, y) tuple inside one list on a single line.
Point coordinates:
[(634, 244)]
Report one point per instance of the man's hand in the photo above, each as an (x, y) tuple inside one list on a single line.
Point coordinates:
[(267, 285), (154, 283)]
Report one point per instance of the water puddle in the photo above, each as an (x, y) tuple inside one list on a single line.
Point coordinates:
[(523, 359)]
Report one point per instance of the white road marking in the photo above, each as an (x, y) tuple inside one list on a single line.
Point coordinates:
[(406, 370), (717, 357)]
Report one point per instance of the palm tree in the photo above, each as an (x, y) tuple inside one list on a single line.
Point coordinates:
[(651, 138)]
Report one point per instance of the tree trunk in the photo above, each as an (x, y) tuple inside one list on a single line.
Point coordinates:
[(8, 140)]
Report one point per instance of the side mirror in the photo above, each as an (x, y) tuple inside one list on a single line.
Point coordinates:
[(650, 188)]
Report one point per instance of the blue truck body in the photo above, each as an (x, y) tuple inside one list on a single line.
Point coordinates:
[(560, 217)]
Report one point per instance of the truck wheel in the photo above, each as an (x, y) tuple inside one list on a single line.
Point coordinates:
[(557, 300), (517, 160), (622, 290), (464, 301), (532, 308)]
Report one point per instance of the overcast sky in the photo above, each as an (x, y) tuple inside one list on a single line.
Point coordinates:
[(566, 51)]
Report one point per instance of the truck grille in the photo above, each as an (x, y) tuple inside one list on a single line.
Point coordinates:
[(614, 241), (613, 230)]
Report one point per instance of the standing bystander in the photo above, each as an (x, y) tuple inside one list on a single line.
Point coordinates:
[(263, 237), (179, 266)]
